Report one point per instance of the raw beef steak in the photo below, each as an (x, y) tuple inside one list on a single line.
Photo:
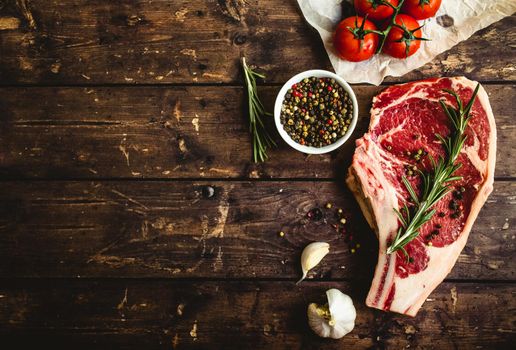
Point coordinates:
[(404, 121)]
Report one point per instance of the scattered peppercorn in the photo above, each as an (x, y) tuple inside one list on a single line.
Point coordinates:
[(342, 221), (282, 234), (339, 211), (315, 214), (208, 191), (316, 112), (433, 234), (457, 195), (328, 205)]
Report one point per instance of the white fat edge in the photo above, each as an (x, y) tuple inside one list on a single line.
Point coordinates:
[(414, 289), (459, 82), (383, 205), (385, 200), (472, 154), (472, 151)]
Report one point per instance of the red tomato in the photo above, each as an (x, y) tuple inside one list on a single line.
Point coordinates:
[(375, 9), (403, 42), (353, 40), (421, 9)]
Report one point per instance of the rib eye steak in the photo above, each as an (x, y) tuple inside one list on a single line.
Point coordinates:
[(401, 138)]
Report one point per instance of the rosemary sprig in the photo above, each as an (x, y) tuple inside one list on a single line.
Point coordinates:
[(436, 184), (261, 138)]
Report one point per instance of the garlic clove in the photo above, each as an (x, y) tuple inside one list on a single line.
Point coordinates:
[(312, 256), (335, 319), (317, 321), (342, 310)]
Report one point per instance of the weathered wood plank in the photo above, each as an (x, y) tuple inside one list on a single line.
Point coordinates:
[(181, 132), (158, 314), (174, 229), (104, 42)]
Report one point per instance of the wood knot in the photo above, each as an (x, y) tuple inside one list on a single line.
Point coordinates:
[(133, 20), (239, 39)]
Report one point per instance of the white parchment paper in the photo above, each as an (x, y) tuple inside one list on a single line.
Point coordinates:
[(455, 21)]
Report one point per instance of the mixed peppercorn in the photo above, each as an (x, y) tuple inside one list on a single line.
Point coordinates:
[(316, 112)]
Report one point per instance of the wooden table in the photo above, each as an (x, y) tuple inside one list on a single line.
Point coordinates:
[(117, 117)]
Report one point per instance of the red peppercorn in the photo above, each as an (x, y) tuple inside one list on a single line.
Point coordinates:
[(321, 132), (302, 141), (310, 94), (330, 88), (294, 86), (330, 122)]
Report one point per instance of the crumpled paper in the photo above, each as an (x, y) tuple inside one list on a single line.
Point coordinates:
[(455, 21)]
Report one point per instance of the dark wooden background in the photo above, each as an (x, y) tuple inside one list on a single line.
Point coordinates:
[(116, 115)]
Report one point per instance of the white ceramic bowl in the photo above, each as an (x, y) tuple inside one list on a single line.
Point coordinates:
[(279, 102)]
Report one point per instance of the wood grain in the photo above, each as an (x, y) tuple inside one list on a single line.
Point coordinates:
[(131, 215), (174, 229), (162, 314), (172, 132), (155, 42)]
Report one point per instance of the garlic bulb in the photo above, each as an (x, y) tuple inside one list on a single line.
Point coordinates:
[(335, 319), (312, 255)]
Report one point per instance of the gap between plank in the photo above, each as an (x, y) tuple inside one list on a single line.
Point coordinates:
[(212, 84), (235, 279), (192, 179)]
